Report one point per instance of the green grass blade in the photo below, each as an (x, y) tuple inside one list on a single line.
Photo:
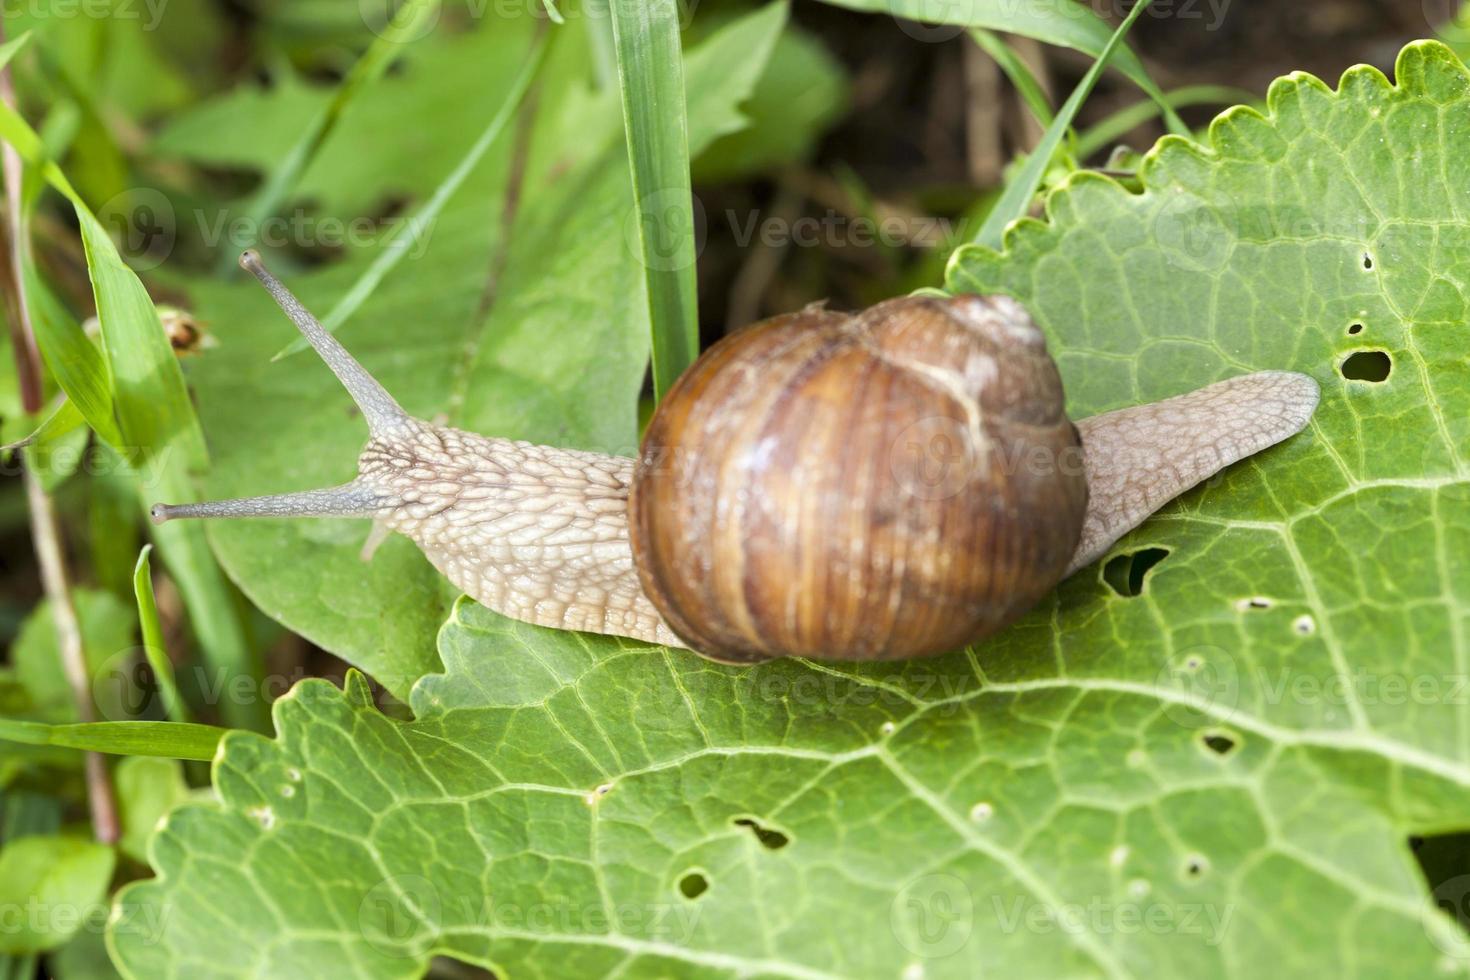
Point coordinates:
[(211, 601), (149, 395), (11, 48), (394, 251), (1106, 131), (1017, 197), (1016, 70), (170, 739), (153, 648), (1065, 23), (160, 434), (73, 360), (80, 369), (60, 422), (604, 57), (407, 25), (651, 76)]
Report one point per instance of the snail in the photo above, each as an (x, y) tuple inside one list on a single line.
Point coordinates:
[(894, 483)]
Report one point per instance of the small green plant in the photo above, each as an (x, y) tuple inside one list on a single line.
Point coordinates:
[(1238, 745)]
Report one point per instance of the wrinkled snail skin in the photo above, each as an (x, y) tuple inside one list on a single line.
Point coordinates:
[(1140, 458), (892, 483), (534, 532)]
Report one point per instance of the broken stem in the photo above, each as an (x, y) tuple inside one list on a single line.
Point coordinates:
[(47, 536)]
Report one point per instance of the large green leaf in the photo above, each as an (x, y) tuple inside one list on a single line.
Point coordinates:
[(397, 136), (147, 788), (108, 636), (558, 357), (1214, 777), (407, 25), (801, 94), (651, 77)]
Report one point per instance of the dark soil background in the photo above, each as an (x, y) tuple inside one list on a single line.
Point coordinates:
[(922, 145)]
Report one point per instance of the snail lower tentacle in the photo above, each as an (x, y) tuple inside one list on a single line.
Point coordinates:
[(893, 483)]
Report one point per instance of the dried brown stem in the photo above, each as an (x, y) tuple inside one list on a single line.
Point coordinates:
[(22, 338), (47, 536), (757, 272), (984, 112)]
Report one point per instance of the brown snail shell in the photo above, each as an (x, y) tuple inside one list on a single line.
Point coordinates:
[(875, 486)]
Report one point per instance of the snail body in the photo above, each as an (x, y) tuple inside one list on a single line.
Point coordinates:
[(890, 484)]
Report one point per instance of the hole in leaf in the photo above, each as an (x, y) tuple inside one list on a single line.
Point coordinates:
[(1355, 329), (771, 840), (1367, 261), (1304, 625), (1124, 574), (1220, 741), (1367, 365), (1195, 866), (1444, 860), (693, 885)]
